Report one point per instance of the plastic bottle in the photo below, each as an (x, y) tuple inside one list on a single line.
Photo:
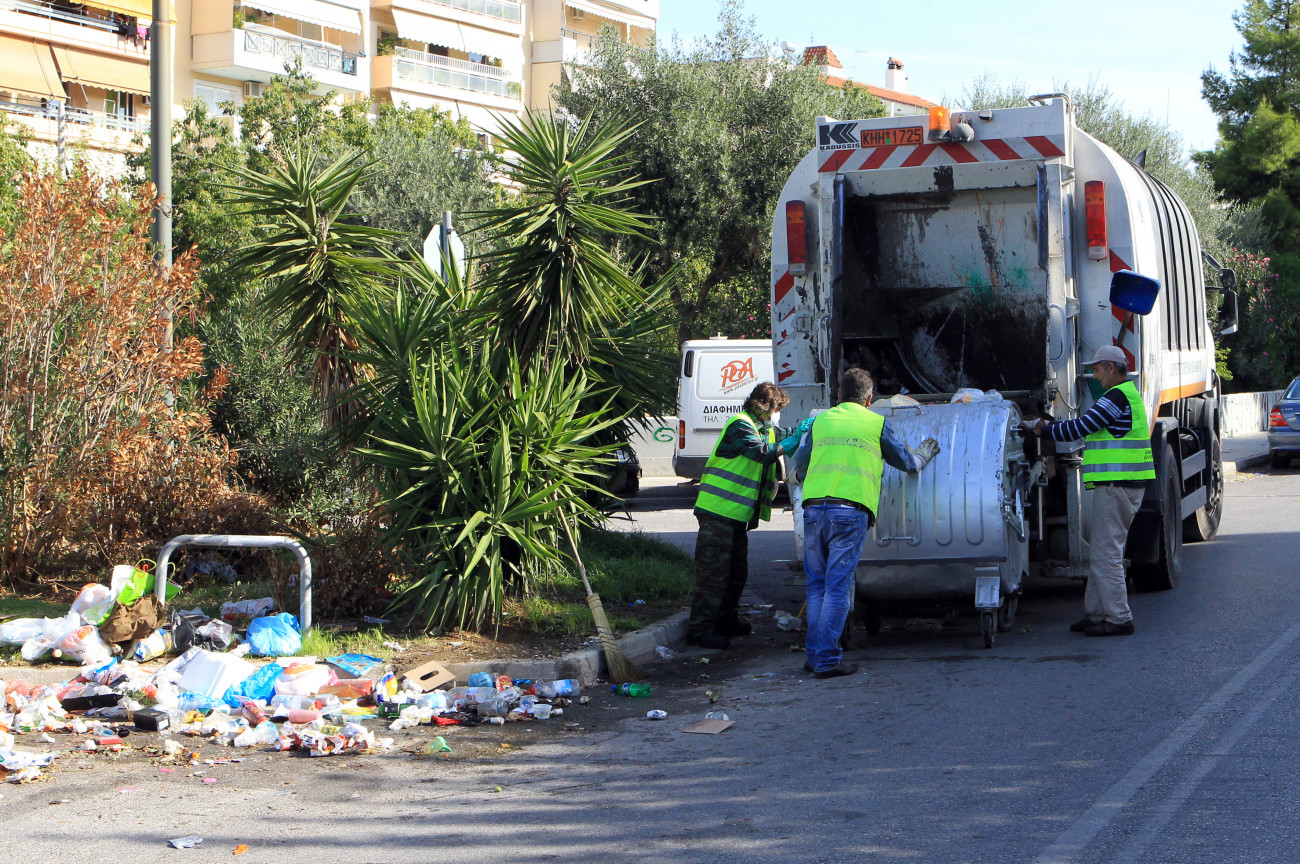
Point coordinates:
[(494, 707), (562, 687), (481, 679), (636, 690)]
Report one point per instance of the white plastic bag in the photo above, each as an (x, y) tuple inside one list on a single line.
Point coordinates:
[(302, 680), (19, 630), (85, 646), (94, 603), (52, 630)]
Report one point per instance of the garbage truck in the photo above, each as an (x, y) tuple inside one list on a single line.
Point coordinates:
[(966, 260)]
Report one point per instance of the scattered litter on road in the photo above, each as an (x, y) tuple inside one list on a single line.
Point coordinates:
[(701, 659), (709, 727), (716, 715), (786, 621), (714, 695), (185, 842), (656, 714), (663, 652), (240, 849)]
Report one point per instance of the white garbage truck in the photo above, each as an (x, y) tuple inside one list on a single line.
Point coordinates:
[(966, 261)]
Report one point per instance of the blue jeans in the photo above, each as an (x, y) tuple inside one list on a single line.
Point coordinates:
[(832, 545)]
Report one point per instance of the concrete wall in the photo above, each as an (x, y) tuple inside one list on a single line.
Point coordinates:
[(1246, 413)]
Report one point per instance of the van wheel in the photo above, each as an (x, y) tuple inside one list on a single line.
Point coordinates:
[(1164, 574), (1204, 523)]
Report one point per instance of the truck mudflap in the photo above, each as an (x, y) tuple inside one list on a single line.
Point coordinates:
[(957, 526)]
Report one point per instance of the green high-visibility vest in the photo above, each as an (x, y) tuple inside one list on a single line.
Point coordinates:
[(846, 461), (731, 488), (1107, 459)]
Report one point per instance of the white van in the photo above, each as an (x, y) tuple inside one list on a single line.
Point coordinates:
[(716, 376)]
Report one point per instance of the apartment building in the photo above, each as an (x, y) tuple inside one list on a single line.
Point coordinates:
[(76, 75), (898, 102)]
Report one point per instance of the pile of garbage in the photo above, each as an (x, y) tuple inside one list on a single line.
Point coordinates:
[(209, 691)]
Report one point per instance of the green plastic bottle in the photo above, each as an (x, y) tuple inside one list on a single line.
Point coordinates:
[(636, 690)]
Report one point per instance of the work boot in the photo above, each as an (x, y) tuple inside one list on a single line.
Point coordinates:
[(1110, 628), (1082, 624), (837, 672), (736, 627), (709, 640)]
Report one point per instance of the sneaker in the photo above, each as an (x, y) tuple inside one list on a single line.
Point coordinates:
[(1081, 625), (1110, 628), (709, 640), (736, 627), (838, 672)]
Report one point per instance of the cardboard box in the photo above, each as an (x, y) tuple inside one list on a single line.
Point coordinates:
[(429, 676)]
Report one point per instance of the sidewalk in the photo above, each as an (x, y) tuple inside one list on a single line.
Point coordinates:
[(1243, 452)]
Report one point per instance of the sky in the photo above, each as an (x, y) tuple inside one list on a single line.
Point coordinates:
[(1150, 53)]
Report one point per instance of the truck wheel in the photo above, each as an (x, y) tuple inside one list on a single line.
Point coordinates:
[(1164, 574), (1204, 523)]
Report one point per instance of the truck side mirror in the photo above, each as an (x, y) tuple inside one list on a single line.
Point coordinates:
[(1228, 311), (1228, 279)]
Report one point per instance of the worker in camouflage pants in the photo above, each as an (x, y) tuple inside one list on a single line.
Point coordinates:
[(736, 492)]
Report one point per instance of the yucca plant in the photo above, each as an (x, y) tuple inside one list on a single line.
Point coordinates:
[(313, 258)]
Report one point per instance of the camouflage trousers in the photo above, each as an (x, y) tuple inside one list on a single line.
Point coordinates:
[(721, 569)]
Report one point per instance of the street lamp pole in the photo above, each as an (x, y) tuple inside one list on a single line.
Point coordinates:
[(160, 137)]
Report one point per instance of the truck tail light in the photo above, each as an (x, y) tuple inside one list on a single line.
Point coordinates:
[(1094, 203), (796, 238), (681, 434), (1275, 417), (940, 123)]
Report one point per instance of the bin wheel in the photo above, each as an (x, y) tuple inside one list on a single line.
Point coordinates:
[(988, 627), (873, 617), (1007, 613)]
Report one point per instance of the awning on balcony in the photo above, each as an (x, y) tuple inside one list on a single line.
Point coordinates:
[(141, 9), (313, 12), (29, 68), (459, 37), (619, 16), (96, 70)]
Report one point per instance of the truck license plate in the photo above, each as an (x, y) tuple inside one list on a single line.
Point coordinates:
[(892, 137)]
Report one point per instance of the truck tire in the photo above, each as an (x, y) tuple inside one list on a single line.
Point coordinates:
[(1204, 523), (1164, 573)]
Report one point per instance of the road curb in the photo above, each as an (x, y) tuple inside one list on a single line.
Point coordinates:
[(587, 664), (1245, 464)]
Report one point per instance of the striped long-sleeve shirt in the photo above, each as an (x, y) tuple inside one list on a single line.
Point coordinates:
[(1110, 412)]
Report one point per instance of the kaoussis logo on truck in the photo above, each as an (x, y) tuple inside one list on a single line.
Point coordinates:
[(736, 374)]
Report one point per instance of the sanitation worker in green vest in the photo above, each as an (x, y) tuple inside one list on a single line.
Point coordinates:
[(736, 491), (840, 463), (1117, 464)]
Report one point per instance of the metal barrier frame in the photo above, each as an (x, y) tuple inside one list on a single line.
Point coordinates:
[(244, 541)]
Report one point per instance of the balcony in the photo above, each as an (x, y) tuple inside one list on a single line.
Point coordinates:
[(435, 70), (94, 129), (501, 9), (79, 17), (315, 57), (254, 53)]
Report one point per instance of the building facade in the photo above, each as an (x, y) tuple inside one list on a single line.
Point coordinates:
[(76, 76), (898, 102)]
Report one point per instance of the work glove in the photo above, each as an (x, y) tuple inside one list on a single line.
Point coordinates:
[(804, 425), (790, 443), (1031, 427), (926, 450)]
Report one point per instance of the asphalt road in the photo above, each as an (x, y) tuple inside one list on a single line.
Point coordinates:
[(1173, 745)]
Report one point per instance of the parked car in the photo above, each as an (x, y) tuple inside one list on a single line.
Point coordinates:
[(1284, 427)]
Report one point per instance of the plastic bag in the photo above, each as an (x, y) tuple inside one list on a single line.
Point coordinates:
[(84, 645), (234, 610), (260, 685), (52, 630), (94, 603), (215, 635), (19, 630), (305, 680), (131, 583), (275, 635)]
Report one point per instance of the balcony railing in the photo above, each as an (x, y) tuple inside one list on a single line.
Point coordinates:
[(584, 40), (450, 72), (501, 9), (312, 55), (71, 16), (76, 116)]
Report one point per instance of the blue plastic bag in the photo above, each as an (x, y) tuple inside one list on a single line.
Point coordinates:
[(274, 635), (259, 685)]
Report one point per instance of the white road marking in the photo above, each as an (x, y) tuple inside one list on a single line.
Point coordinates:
[(1104, 810)]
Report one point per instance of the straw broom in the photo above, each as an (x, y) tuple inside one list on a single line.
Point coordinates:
[(621, 669)]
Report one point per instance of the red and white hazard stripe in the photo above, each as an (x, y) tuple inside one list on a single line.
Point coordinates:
[(916, 155)]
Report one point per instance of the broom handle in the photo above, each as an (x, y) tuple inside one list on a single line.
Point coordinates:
[(582, 571)]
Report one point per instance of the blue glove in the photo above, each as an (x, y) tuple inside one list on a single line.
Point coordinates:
[(804, 425), (791, 443)]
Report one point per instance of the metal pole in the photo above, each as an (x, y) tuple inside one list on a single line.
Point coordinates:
[(160, 122)]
